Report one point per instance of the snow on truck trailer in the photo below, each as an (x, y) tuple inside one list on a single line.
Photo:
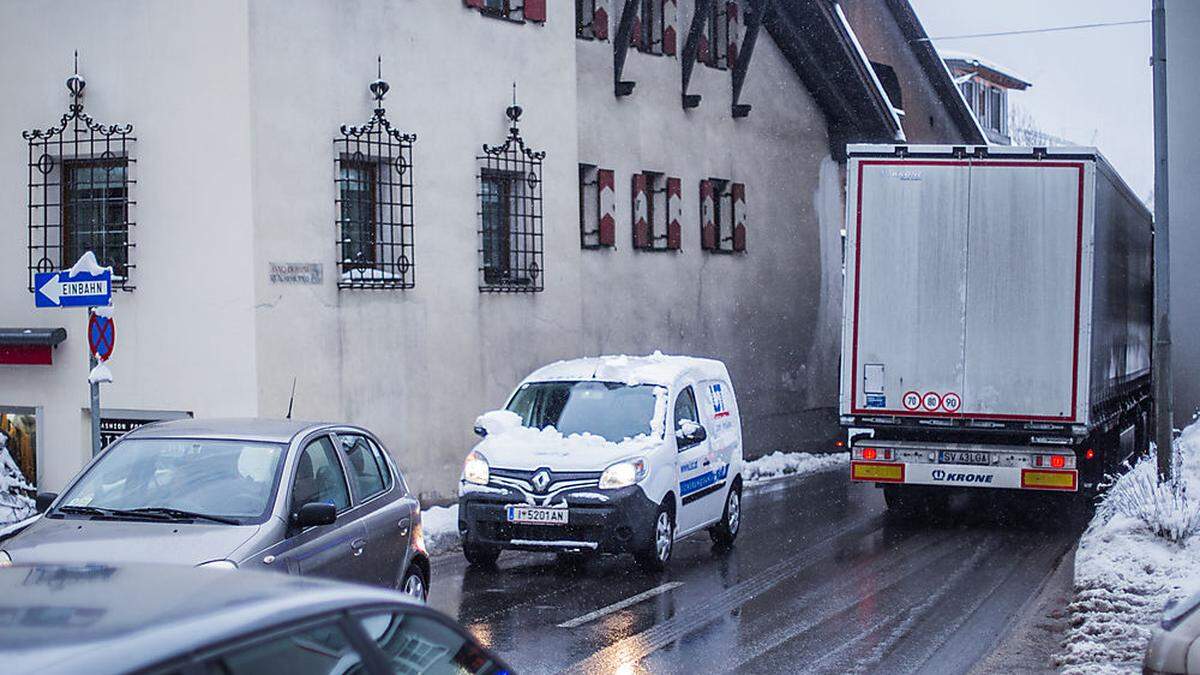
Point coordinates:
[(997, 318)]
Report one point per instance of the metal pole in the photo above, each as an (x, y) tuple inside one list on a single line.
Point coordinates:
[(95, 396), (1163, 404)]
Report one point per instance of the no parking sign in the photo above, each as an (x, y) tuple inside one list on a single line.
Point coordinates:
[(102, 336)]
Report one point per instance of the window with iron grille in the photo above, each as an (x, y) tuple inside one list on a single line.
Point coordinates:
[(510, 215), (374, 202), (80, 192)]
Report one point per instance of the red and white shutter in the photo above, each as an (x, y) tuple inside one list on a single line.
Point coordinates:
[(606, 189), (641, 224), (674, 213), (738, 192), (670, 36), (600, 20), (733, 23), (708, 226), (535, 10), (477, 4)]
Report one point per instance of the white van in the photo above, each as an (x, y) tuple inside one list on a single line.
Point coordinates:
[(580, 462)]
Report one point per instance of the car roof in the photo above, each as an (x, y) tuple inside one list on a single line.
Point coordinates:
[(657, 368), (247, 429), (117, 618)]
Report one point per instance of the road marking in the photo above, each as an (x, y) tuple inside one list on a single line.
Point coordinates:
[(618, 606)]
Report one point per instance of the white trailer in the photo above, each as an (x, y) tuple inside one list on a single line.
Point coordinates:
[(997, 317)]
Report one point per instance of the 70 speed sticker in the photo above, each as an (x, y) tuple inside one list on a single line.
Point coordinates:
[(931, 401)]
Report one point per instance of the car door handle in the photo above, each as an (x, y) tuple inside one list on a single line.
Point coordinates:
[(358, 545), (404, 524)]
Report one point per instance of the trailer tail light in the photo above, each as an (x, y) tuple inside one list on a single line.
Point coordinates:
[(1058, 461), (1089, 454), (869, 453), (1054, 461)]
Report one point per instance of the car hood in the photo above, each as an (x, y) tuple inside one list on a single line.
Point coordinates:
[(511, 446), (70, 540)]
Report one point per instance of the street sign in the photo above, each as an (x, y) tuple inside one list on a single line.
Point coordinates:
[(82, 289), (102, 336)]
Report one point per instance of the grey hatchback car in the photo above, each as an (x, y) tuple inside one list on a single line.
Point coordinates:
[(297, 497)]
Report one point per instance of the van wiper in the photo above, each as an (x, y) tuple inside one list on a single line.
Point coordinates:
[(180, 514)]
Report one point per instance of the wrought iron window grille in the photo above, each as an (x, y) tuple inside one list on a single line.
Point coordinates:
[(80, 191), (511, 241), (373, 179)]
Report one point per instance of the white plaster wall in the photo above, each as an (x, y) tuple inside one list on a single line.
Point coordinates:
[(416, 366), (177, 72), (770, 314)]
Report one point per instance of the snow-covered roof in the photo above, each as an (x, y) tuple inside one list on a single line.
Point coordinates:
[(657, 368), (986, 68)]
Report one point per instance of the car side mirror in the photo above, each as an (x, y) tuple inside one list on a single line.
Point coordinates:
[(690, 433), (315, 513), (480, 431), (43, 501)]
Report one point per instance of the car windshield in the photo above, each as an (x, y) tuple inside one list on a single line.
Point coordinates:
[(611, 410), (221, 478)]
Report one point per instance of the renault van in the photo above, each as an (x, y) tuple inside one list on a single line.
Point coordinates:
[(613, 454)]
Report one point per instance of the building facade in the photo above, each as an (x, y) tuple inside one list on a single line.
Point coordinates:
[(400, 209)]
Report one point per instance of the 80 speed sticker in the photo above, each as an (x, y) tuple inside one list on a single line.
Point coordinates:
[(931, 401)]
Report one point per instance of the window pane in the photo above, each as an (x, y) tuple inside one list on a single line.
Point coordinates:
[(420, 644), (315, 651), (357, 188), (319, 477), (496, 231), (366, 469), (94, 213), (685, 408)]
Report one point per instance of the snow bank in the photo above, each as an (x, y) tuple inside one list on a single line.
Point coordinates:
[(1141, 549), (439, 524), (15, 502), (784, 464)]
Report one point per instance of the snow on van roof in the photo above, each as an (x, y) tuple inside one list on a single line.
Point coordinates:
[(657, 368)]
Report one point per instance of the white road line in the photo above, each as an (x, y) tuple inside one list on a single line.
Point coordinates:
[(618, 606)]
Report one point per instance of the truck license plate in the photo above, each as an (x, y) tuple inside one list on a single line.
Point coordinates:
[(534, 515), (958, 457)]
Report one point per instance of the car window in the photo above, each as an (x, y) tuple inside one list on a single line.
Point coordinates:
[(415, 643), (319, 477), (685, 409), (315, 650), (368, 471)]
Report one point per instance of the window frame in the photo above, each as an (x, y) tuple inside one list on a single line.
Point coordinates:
[(67, 169), (372, 167), (504, 180), (691, 394), (378, 455), (718, 35), (585, 22), (652, 23), (295, 468), (515, 171)]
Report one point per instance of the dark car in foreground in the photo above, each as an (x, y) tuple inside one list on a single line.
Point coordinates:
[(297, 497), (173, 620)]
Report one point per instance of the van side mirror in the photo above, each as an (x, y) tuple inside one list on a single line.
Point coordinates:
[(43, 500), (690, 433), (480, 431), (315, 513)]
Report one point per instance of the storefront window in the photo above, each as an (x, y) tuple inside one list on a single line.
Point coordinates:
[(18, 465)]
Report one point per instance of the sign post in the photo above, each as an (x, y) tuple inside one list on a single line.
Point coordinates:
[(86, 284)]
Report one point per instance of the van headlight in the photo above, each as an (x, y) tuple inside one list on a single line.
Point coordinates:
[(219, 565), (476, 469), (5, 559), (623, 474)]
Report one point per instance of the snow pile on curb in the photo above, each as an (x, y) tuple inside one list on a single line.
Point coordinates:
[(785, 464), (1141, 550), (15, 504), (439, 524)]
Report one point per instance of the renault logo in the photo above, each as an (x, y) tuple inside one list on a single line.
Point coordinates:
[(541, 480)]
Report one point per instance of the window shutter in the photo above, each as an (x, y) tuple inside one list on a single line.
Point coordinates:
[(674, 213), (635, 33), (708, 228), (641, 227), (600, 20), (702, 47), (738, 191), (733, 23), (477, 4), (670, 14), (606, 187), (535, 10)]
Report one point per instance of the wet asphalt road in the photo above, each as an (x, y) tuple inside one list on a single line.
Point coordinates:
[(820, 580)]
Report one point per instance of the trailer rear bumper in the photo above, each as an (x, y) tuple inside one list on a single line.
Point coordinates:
[(959, 475)]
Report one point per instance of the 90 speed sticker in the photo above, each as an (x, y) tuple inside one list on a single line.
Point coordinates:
[(951, 402)]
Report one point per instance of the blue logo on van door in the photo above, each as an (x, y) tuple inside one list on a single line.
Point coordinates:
[(717, 397)]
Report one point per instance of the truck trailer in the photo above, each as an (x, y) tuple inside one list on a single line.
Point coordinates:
[(997, 317)]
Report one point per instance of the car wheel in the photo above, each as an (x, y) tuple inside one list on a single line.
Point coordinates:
[(479, 555), (414, 585), (655, 555), (725, 531)]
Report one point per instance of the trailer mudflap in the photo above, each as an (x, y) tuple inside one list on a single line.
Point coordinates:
[(960, 475)]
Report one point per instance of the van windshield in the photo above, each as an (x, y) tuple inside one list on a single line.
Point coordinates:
[(611, 410)]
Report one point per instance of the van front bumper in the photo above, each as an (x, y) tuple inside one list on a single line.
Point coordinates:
[(602, 521)]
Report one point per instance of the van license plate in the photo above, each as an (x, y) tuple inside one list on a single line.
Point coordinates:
[(956, 457), (534, 515)]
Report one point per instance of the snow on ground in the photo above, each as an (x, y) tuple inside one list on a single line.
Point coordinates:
[(1141, 549), (15, 503), (439, 524)]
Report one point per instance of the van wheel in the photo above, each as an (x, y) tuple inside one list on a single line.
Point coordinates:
[(725, 531), (479, 555), (655, 555)]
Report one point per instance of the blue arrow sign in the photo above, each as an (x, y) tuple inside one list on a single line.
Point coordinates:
[(62, 289)]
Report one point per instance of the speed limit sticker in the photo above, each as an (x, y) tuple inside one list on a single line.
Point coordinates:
[(911, 400), (951, 402), (932, 401)]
